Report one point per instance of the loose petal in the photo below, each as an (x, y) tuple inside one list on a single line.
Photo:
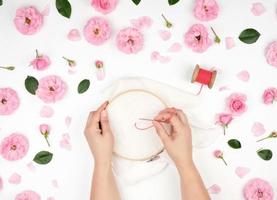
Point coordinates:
[(242, 171), (257, 9), (175, 47), (164, 59), (100, 74), (155, 56), (68, 121), (243, 76), (214, 189), (258, 129), (65, 142), (55, 183), (46, 111), (15, 178), (164, 34), (222, 88), (144, 22), (74, 35), (50, 198), (31, 167), (1, 184), (229, 42), (46, 10)]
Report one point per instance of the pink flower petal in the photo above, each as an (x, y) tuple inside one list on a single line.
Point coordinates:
[(68, 121), (258, 129), (144, 22), (222, 88), (242, 171), (74, 35), (65, 142), (1, 184), (229, 42), (175, 47), (214, 189), (243, 76), (155, 56), (50, 198), (46, 10), (15, 178), (164, 34), (55, 183), (165, 59), (71, 72), (31, 166), (46, 111), (257, 9)]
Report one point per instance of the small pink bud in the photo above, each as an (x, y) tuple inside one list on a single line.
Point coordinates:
[(99, 64), (218, 153), (44, 129)]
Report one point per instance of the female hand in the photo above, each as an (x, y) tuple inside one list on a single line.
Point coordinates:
[(99, 136), (177, 141)]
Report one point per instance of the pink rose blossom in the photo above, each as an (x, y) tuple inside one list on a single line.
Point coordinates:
[(41, 62), (129, 40), (257, 9), (15, 178), (44, 129), (28, 195), (9, 101), (270, 95), (242, 171), (104, 6), (224, 119), (74, 35), (143, 22), (236, 103), (219, 154), (197, 38), (28, 20), (14, 147), (258, 189), (214, 189), (51, 89), (229, 42), (206, 10), (271, 53), (97, 30)]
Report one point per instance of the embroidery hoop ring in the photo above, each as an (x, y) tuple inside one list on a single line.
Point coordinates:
[(148, 158)]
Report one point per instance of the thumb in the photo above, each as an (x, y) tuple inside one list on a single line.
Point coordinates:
[(104, 120), (161, 131)]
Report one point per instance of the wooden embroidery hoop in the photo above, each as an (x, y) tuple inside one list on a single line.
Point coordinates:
[(148, 158)]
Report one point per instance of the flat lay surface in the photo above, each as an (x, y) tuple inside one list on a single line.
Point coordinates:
[(55, 66)]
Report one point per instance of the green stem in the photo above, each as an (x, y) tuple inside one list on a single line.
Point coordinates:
[(47, 140), (224, 161), (167, 23), (263, 138), (37, 56), (8, 67), (224, 130), (217, 39), (65, 58)]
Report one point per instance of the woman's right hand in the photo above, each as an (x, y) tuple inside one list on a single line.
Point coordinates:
[(177, 141)]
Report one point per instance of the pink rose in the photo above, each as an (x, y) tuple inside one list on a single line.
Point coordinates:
[(14, 147), (104, 6), (206, 10), (44, 129), (97, 31), (28, 195), (28, 20), (236, 103), (129, 40), (224, 119), (219, 154), (271, 53), (258, 189), (51, 89), (270, 95), (197, 38), (41, 62), (9, 101)]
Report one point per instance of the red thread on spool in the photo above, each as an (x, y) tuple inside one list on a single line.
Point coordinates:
[(203, 76)]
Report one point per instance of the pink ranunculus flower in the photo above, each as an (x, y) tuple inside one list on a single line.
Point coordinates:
[(236, 103), (97, 30), (129, 40), (271, 53), (104, 6), (258, 189), (14, 147), (206, 10), (28, 195), (28, 20), (9, 101), (51, 89), (270, 95), (41, 62), (197, 38), (224, 119)]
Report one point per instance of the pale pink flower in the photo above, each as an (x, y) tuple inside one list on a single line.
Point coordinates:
[(206, 10), (129, 40), (270, 95), (41, 62), (243, 76), (14, 147), (51, 89), (164, 34), (97, 30), (46, 111), (175, 47), (9, 101), (224, 119), (104, 6), (257, 9), (28, 195), (242, 171), (229, 42), (271, 53), (143, 22), (74, 35), (236, 103), (214, 189), (197, 38), (258, 189), (15, 178), (28, 20), (219, 154)]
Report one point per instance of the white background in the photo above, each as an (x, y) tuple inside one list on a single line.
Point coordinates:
[(73, 169)]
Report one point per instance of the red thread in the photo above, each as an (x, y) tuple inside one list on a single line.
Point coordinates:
[(144, 128), (204, 76)]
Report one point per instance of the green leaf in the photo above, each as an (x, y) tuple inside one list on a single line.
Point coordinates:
[(31, 84), (265, 154), (249, 36), (64, 8), (172, 2), (83, 86), (43, 157), (235, 144), (136, 2), (1, 2)]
